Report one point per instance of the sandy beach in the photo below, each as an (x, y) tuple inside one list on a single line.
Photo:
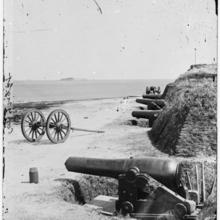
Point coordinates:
[(44, 200)]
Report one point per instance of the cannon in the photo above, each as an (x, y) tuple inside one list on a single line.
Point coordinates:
[(151, 115), (155, 104), (57, 126), (159, 96), (148, 188), (153, 96), (152, 90)]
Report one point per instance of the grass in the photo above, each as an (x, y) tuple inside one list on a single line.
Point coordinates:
[(188, 125), (86, 188)]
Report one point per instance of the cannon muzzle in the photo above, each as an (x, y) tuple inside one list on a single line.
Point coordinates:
[(165, 171)]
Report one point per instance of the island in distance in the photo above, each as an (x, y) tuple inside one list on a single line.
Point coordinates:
[(71, 79), (67, 79)]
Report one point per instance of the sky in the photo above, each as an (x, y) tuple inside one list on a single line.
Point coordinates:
[(108, 39)]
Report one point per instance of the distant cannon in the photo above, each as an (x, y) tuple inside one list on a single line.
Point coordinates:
[(153, 96), (159, 96), (57, 126), (155, 104), (151, 115), (152, 90), (149, 187)]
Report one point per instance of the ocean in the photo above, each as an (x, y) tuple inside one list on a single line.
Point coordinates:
[(36, 91)]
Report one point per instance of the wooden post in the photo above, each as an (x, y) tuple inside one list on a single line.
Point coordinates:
[(188, 180), (197, 182), (203, 184)]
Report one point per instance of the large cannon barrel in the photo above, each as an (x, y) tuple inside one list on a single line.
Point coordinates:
[(155, 102), (165, 171), (152, 96), (148, 114)]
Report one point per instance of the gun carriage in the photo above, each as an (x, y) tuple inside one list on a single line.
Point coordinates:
[(57, 126), (148, 188)]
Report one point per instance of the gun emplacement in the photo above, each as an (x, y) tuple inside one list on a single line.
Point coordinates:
[(134, 191)]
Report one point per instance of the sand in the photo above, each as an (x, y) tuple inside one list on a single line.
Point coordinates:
[(47, 200), (23, 200)]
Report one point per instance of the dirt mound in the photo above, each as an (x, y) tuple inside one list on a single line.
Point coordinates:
[(187, 126), (86, 188)]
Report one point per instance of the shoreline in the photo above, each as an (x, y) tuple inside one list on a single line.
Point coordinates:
[(48, 104)]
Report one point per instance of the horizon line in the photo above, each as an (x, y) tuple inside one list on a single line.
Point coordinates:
[(64, 79)]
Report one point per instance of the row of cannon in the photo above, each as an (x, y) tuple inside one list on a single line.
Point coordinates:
[(150, 187), (155, 103)]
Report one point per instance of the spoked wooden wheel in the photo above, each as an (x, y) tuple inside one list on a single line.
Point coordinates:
[(33, 125), (58, 126)]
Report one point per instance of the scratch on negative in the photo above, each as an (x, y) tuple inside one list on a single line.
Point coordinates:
[(98, 6)]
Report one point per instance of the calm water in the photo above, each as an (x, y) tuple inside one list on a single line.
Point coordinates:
[(34, 91)]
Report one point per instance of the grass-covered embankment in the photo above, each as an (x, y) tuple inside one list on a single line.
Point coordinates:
[(187, 127), (188, 124)]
